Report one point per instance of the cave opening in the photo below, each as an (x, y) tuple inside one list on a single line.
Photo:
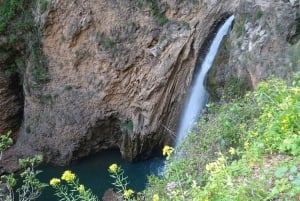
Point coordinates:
[(12, 71)]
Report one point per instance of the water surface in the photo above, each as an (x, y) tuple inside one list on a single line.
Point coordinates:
[(92, 172)]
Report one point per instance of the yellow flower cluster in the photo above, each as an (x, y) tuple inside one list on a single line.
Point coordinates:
[(285, 120), (232, 151), (113, 168), (68, 176), (167, 151), (81, 189), (54, 182), (155, 197), (246, 145), (216, 166), (255, 134), (128, 193)]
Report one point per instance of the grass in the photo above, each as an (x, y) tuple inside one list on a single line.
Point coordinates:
[(248, 149)]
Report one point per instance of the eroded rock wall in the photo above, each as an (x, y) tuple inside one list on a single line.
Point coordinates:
[(118, 79), (259, 45), (11, 96)]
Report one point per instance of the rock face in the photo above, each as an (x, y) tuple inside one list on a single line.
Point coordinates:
[(118, 79), (110, 195), (259, 45), (10, 118), (11, 97)]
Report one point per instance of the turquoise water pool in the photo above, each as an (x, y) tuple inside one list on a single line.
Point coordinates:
[(92, 172)]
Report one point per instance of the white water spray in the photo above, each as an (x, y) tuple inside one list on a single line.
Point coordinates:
[(198, 96)]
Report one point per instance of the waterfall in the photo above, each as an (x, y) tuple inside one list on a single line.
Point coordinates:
[(198, 96)]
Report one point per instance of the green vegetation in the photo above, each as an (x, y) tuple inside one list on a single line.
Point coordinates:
[(258, 15), (5, 142), (128, 125), (248, 149), (185, 25), (154, 6), (18, 26), (29, 188), (235, 88), (245, 150), (239, 26), (160, 17), (294, 38), (43, 5), (68, 87), (117, 173), (71, 189), (115, 41), (106, 42)]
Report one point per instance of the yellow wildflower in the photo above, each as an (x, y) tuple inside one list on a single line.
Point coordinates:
[(269, 114), (210, 166), (285, 120), (255, 134), (167, 151), (81, 189), (232, 151), (113, 168), (128, 193), (284, 127), (194, 184), (221, 158), (155, 197), (246, 145), (54, 182), (68, 176)]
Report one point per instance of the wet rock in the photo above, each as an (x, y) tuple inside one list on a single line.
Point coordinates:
[(110, 195)]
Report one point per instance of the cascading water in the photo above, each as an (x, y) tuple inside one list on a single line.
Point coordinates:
[(198, 96)]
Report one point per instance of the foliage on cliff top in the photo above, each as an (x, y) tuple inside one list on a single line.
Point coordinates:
[(245, 150), (20, 35)]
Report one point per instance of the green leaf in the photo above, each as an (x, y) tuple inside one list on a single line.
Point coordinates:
[(293, 170), (296, 181), (281, 172)]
